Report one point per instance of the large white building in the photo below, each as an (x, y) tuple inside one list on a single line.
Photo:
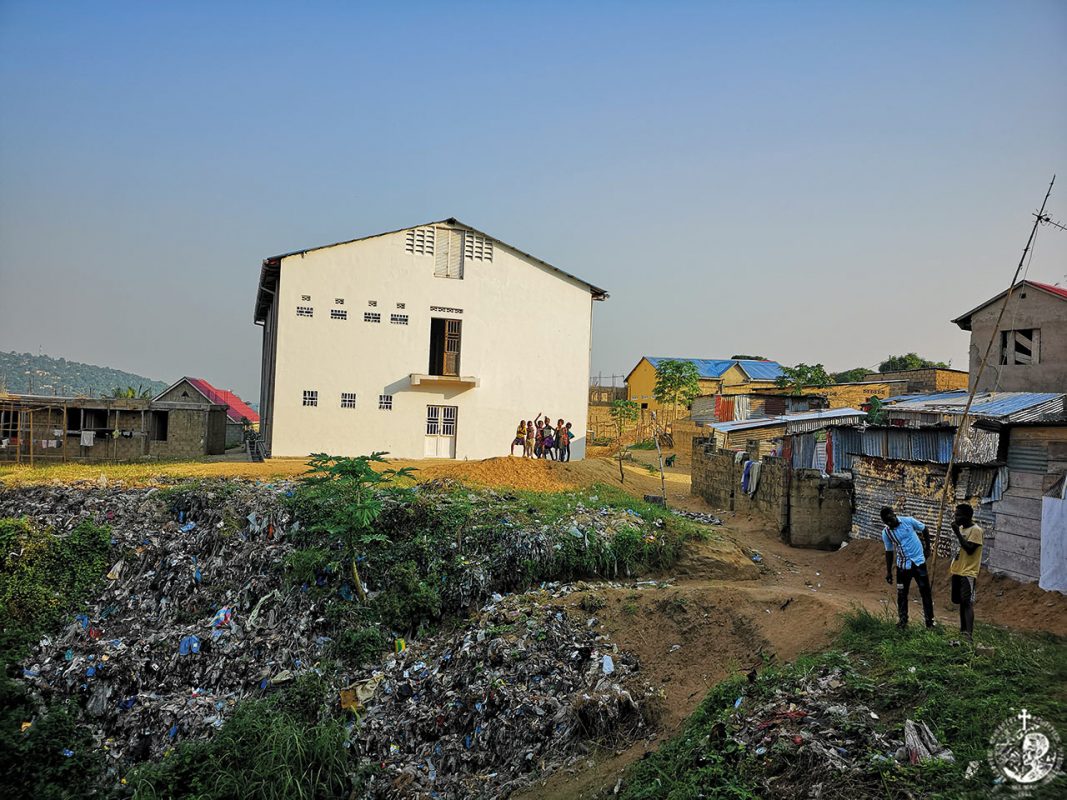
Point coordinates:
[(430, 341)]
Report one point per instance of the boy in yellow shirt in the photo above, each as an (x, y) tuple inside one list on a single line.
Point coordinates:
[(965, 566)]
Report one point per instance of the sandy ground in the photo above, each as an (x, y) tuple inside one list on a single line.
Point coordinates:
[(720, 612)]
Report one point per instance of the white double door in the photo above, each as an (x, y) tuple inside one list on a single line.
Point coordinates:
[(441, 431)]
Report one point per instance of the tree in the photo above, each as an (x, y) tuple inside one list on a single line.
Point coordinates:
[(676, 382), (130, 393), (910, 361), (749, 358), (876, 414), (622, 411), (803, 376), (345, 495), (851, 375)]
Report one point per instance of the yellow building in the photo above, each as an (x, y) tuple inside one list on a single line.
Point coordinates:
[(717, 376)]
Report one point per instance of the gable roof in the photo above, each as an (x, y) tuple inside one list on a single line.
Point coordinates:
[(964, 321), (236, 408), (712, 368), (268, 274)]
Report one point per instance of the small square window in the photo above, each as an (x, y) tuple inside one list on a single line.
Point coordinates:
[(398, 319), (385, 402), (305, 311), (370, 316), (372, 303), (338, 301), (348, 399), (338, 313), (401, 305), (311, 397), (305, 298)]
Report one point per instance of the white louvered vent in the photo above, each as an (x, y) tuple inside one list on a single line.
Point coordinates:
[(448, 261), (420, 241), (477, 246)]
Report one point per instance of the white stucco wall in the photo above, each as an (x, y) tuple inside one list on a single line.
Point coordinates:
[(525, 336)]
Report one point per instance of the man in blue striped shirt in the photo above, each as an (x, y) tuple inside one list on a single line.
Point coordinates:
[(901, 539)]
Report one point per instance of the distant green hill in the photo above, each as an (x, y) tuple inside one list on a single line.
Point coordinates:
[(24, 373)]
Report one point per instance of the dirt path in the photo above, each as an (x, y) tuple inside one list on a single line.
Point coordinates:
[(708, 625)]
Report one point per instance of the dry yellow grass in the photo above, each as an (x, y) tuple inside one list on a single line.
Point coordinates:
[(503, 472)]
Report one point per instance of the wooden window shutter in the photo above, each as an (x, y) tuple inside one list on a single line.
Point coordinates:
[(452, 336), (448, 255)]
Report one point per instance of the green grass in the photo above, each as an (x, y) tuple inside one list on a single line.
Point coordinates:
[(284, 747), (961, 695), (44, 576), (646, 444)]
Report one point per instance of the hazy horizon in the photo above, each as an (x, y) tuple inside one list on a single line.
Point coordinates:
[(826, 182)]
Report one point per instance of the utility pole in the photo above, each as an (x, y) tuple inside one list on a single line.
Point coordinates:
[(1039, 218)]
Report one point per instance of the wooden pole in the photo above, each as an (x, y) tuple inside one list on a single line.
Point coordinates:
[(981, 368)]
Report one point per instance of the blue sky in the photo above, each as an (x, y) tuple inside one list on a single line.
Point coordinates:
[(812, 182)]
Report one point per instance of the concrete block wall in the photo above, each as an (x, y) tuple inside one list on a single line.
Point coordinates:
[(820, 509), (192, 433), (716, 476), (806, 507)]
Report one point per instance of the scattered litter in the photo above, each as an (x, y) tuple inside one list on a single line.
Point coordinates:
[(757, 558), (811, 731), (481, 711), (696, 516), (921, 744)]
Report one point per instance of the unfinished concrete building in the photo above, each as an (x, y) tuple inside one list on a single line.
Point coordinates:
[(41, 430)]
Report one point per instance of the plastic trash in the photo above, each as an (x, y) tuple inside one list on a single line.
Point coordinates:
[(608, 665)]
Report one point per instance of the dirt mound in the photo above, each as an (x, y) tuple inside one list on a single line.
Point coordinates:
[(504, 472), (687, 638)]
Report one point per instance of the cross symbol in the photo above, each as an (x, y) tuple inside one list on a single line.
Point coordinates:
[(1024, 715)]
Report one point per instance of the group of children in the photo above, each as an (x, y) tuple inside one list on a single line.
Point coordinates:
[(538, 439)]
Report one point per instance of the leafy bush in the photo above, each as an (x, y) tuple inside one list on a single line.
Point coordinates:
[(44, 575), (50, 573)]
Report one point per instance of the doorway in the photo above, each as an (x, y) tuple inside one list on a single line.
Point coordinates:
[(441, 431)]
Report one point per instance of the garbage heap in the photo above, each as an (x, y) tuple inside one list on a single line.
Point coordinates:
[(197, 613), (194, 614), (814, 741), (480, 712)]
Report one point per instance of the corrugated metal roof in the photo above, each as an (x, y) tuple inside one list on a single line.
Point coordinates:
[(935, 397), (761, 370), (1015, 405), (716, 367), (236, 408), (797, 423)]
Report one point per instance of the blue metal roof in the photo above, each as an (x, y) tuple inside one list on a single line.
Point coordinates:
[(1016, 401), (716, 367), (986, 404)]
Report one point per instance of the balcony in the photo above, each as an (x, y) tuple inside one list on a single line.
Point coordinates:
[(422, 379)]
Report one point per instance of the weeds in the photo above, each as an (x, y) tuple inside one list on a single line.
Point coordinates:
[(285, 747)]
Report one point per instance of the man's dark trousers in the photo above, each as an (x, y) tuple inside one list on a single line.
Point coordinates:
[(922, 580)]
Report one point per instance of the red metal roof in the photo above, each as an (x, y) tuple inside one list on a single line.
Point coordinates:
[(236, 409), (1049, 288)]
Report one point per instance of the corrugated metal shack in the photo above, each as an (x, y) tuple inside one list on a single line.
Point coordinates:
[(905, 462), (736, 435), (1031, 521)]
